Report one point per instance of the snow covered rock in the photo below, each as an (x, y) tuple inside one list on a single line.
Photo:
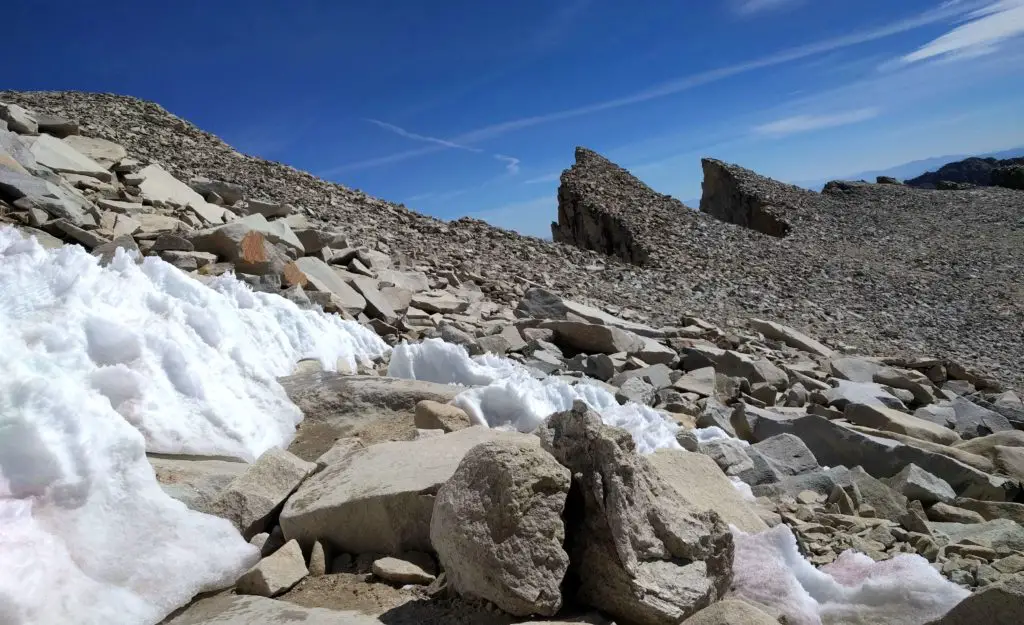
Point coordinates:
[(497, 527), (639, 550), (380, 499), (251, 498), (274, 574)]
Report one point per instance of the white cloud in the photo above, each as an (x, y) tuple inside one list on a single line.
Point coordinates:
[(984, 29), (750, 7), (943, 12), (552, 177), (511, 163), (806, 123)]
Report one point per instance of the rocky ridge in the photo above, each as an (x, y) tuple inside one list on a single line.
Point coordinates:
[(972, 172), (923, 454)]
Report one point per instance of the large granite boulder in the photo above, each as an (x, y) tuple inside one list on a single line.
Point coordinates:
[(638, 550), (497, 527)]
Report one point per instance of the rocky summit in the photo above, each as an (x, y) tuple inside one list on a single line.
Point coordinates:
[(242, 394)]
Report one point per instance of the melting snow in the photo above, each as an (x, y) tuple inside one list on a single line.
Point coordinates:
[(100, 365)]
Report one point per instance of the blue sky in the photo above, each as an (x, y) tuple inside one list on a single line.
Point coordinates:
[(461, 107)]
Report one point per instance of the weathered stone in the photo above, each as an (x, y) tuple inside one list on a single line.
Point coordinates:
[(972, 421), (247, 248), (196, 482), (916, 483), (918, 384), (942, 512), (882, 418), (254, 496), (854, 369), (638, 550), (1009, 461), (731, 197), (341, 449), (867, 393), (105, 153), (700, 381), (227, 609), (227, 191), (986, 445), (274, 574), (994, 534), (432, 415), (497, 527), (413, 281), (27, 192), (993, 509), (56, 126), (321, 277), (401, 571), (159, 186), (791, 337), (107, 251), (87, 238), (731, 612), (698, 480), (787, 454), (655, 353), (336, 405), (377, 306), (380, 499), (591, 338), (59, 156), (15, 155), (636, 390), (18, 119), (263, 207), (439, 302), (119, 224)]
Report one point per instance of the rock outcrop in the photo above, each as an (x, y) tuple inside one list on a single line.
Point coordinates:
[(739, 196)]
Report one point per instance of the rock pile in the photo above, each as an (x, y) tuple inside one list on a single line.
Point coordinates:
[(392, 491)]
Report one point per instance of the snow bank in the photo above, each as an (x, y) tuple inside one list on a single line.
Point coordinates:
[(905, 590), (508, 396), (86, 533)]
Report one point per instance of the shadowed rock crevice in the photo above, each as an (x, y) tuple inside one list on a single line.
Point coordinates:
[(739, 196)]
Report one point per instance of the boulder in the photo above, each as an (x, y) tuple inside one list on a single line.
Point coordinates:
[(238, 243), (15, 155), (998, 534), (882, 418), (195, 482), (497, 527), (791, 337), (28, 192), (380, 499), (413, 281), (321, 277), (18, 119), (266, 208), (252, 498), (59, 156), (1009, 461), (336, 405), (654, 353), (56, 126), (543, 304), (986, 445), (942, 512), (439, 302), (835, 445), (274, 574), (786, 454), (105, 153), (731, 612), (698, 480), (916, 483), (637, 549), (854, 369), (700, 381), (377, 306), (227, 191), (971, 420), (432, 415), (400, 571), (159, 186), (227, 609), (867, 393), (998, 604), (592, 338), (993, 509)]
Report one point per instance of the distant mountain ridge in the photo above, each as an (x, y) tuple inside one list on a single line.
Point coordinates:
[(914, 169), (974, 170)]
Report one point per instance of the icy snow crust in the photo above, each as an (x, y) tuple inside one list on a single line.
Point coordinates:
[(508, 396), (905, 590), (97, 365)]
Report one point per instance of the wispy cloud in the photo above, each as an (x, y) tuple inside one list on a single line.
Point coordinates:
[(943, 12), (552, 177), (751, 7), (807, 123), (511, 162), (983, 31)]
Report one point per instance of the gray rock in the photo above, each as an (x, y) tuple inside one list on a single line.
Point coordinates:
[(15, 155), (497, 527), (59, 156), (823, 482), (972, 421), (377, 306), (89, 239), (995, 534), (998, 604), (227, 609), (18, 119), (341, 449), (251, 499), (321, 277), (274, 574), (698, 480), (854, 369), (336, 405), (542, 304), (56, 126), (227, 191), (238, 243), (413, 281), (655, 353), (401, 571), (916, 483), (787, 454), (380, 499), (716, 414), (105, 153), (994, 509), (918, 384), (107, 251), (27, 192), (636, 390), (700, 381), (432, 415), (263, 207), (791, 337), (731, 612), (865, 489), (867, 393), (946, 513), (317, 560), (439, 302), (834, 445), (638, 550), (939, 414), (195, 482), (659, 376), (593, 338), (882, 418)]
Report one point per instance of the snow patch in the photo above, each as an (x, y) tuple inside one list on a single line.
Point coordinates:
[(101, 364), (506, 395), (768, 569)]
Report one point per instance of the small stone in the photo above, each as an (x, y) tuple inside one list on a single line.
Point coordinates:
[(317, 560), (274, 574), (401, 572)]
